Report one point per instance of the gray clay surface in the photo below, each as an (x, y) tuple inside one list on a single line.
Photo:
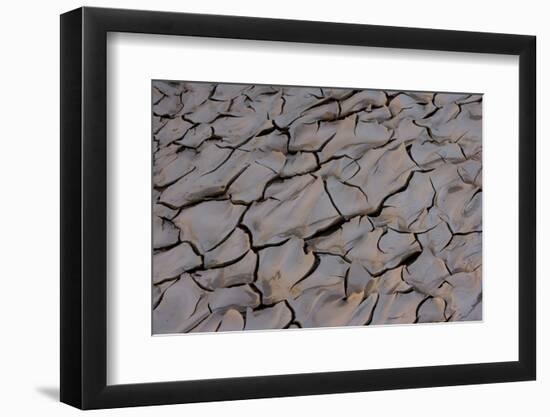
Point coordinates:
[(292, 207)]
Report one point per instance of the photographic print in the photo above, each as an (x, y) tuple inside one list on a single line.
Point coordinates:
[(282, 207)]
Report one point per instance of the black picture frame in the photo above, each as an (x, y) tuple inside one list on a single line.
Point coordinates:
[(84, 207)]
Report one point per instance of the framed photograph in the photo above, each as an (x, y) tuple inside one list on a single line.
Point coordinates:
[(256, 208)]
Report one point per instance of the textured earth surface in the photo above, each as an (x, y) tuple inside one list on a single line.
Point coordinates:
[(285, 207)]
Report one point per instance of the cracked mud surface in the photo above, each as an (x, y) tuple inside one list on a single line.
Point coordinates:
[(285, 207)]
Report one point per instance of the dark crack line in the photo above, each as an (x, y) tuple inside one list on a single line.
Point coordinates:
[(266, 167), (369, 320), (418, 308), (358, 188), (384, 232), (380, 207), (220, 164), (168, 184), (198, 284), (330, 198), (161, 297), (311, 270)]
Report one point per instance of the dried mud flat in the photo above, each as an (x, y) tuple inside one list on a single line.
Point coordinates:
[(286, 207)]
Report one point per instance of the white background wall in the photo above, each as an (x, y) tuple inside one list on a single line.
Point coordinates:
[(29, 220)]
